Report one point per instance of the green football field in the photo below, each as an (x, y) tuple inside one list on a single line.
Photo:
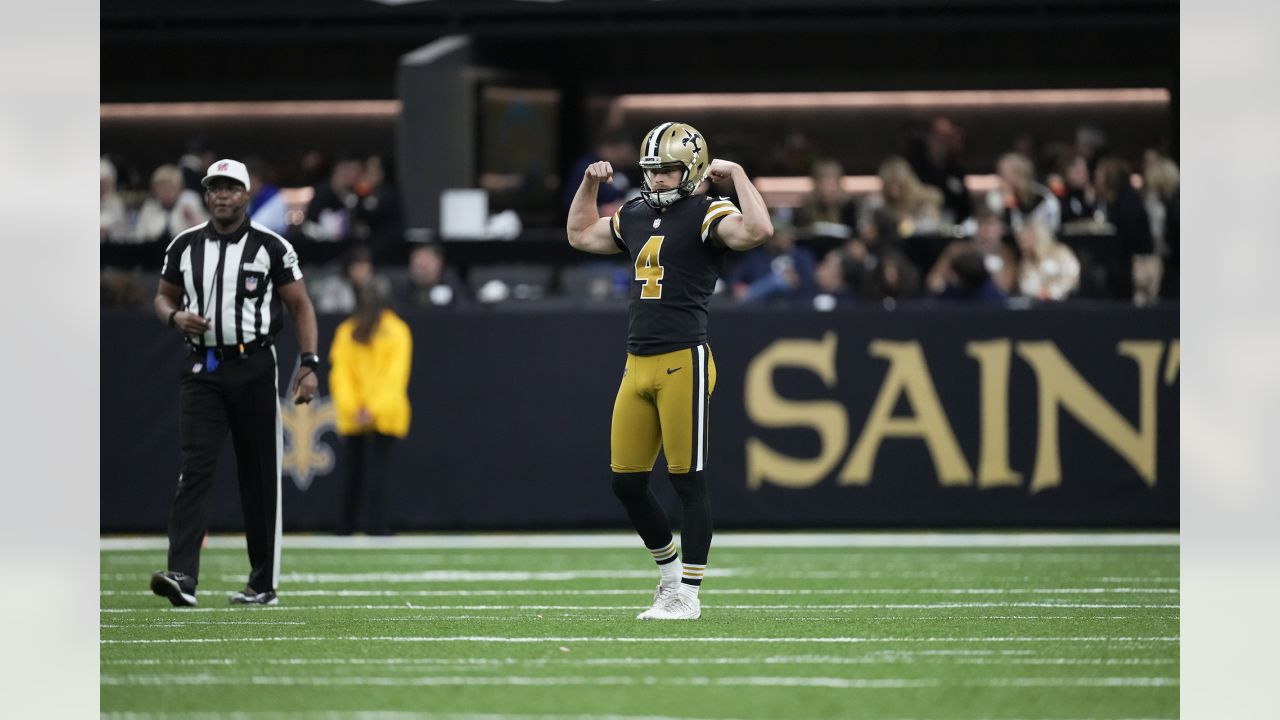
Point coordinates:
[(875, 625)]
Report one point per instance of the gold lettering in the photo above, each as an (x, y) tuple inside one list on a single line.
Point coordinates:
[(767, 409), (909, 374), (993, 357), (1060, 385)]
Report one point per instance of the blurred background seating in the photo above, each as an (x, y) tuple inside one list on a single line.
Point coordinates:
[(866, 150)]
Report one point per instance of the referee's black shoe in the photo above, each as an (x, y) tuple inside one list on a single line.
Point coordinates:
[(249, 596), (178, 587)]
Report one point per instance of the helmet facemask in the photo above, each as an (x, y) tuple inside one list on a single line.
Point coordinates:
[(663, 198), (669, 146)]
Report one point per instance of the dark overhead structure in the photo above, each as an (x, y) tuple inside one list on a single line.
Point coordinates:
[(448, 61), (279, 49)]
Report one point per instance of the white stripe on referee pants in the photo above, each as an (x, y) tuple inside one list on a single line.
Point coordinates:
[(279, 535)]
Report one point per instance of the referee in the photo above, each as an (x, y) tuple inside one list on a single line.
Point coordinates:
[(221, 286)]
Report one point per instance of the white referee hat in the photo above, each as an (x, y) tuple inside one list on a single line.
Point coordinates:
[(233, 169)]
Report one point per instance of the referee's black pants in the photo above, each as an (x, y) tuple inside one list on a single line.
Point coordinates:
[(242, 397)]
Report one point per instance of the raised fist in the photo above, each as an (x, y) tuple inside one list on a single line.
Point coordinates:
[(721, 170), (599, 171)]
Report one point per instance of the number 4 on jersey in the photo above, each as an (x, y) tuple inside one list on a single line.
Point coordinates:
[(649, 268)]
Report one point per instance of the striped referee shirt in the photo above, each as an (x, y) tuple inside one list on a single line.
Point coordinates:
[(232, 279)]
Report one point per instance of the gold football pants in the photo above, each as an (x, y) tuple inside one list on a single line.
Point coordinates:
[(663, 403)]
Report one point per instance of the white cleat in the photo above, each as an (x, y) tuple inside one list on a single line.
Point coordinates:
[(676, 607), (661, 595)]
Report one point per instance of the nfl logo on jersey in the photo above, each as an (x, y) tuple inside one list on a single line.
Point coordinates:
[(250, 283)]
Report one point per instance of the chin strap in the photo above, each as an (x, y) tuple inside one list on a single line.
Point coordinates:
[(661, 199)]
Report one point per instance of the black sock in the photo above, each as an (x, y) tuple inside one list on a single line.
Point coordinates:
[(647, 516), (695, 527)]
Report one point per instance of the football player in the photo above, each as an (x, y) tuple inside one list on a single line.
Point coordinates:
[(676, 240)]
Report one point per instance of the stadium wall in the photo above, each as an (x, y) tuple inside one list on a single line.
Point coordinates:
[(1057, 416)]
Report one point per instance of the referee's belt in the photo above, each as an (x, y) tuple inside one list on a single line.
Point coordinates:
[(232, 352)]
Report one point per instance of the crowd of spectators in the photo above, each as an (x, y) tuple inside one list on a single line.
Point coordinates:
[(343, 200), (1075, 221)]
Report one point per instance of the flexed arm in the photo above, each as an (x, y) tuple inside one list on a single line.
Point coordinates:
[(587, 230), (751, 228)]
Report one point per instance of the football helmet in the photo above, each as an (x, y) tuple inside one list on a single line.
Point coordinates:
[(671, 145)]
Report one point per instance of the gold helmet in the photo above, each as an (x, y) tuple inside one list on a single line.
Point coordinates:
[(671, 145)]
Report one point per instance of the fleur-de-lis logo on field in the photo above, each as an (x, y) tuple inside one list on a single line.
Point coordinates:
[(306, 454)]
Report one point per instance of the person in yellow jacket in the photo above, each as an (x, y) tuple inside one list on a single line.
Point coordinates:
[(370, 363)]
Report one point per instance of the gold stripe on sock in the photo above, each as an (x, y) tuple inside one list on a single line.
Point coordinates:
[(664, 553)]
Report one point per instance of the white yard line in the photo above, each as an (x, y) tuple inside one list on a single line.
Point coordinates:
[(385, 715), (718, 591), (185, 623), (391, 715), (1063, 661), (843, 606), (441, 576), (466, 576), (417, 664), (561, 576), (722, 540), (477, 576), (564, 640), (518, 681), (610, 612), (841, 683)]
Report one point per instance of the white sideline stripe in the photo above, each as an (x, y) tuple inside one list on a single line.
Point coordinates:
[(723, 540), (718, 591), (562, 640), (841, 606), (748, 681)]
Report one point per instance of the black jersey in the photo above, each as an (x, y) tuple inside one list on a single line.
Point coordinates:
[(676, 267)]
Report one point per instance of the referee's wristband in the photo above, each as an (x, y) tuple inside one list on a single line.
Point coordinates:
[(309, 360), (173, 315)]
